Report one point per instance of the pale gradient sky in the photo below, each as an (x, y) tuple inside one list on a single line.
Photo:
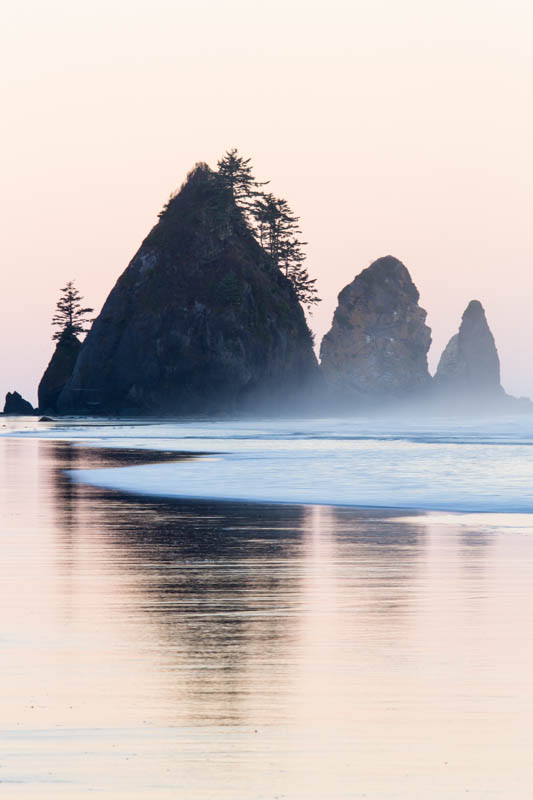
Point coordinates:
[(400, 127)]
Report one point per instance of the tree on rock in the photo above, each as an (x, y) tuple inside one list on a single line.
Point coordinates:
[(235, 173), (278, 232), (271, 220), (70, 317)]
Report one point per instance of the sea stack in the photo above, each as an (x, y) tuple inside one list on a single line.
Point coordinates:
[(16, 404), (201, 321), (469, 368), (376, 350), (58, 372)]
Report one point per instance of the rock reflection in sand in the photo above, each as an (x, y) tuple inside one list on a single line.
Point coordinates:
[(223, 650)]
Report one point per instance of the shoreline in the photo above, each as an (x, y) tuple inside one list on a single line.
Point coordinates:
[(456, 472)]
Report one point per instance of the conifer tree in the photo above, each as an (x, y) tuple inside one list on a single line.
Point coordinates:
[(269, 221), (272, 222), (235, 173), (278, 232), (70, 318)]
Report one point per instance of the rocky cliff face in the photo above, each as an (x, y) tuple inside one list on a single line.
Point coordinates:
[(377, 347), (58, 373), (15, 404), (469, 367), (199, 322)]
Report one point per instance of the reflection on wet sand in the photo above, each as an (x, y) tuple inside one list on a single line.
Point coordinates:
[(213, 582), (222, 650), (228, 586)]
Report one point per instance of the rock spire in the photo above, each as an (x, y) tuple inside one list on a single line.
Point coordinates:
[(469, 367), (200, 321), (376, 350)]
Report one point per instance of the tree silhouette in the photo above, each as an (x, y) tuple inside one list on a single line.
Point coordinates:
[(272, 222), (278, 233), (70, 318), (235, 173)]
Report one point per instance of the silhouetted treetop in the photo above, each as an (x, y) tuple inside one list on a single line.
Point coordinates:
[(70, 317), (235, 173), (272, 222)]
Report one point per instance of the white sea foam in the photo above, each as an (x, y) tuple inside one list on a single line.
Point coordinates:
[(452, 465)]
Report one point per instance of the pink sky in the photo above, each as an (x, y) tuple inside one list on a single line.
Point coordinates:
[(390, 126)]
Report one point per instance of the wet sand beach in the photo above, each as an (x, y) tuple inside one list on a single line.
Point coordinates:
[(168, 649)]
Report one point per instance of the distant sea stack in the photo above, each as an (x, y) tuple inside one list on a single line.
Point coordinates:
[(200, 321), (58, 372), (469, 368), (376, 350), (15, 404)]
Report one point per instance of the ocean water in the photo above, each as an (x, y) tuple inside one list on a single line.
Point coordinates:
[(212, 649), (453, 465)]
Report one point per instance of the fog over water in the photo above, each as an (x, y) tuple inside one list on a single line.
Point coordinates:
[(205, 649)]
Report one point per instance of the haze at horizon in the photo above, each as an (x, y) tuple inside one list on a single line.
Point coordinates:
[(390, 128)]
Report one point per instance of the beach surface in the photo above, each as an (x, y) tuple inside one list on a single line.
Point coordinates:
[(207, 648)]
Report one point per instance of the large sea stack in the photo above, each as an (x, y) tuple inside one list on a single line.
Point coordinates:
[(469, 368), (376, 350), (58, 372), (201, 321)]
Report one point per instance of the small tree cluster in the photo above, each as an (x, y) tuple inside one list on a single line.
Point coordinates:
[(272, 222), (70, 317)]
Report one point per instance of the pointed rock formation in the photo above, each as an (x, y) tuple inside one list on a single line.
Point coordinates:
[(377, 347), (469, 367), (15, 404), (58, 372), (199, 322)]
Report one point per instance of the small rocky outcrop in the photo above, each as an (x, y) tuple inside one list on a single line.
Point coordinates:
[(15, 404), (201, 321), (469, 368), (376, 350), (58, 372)]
